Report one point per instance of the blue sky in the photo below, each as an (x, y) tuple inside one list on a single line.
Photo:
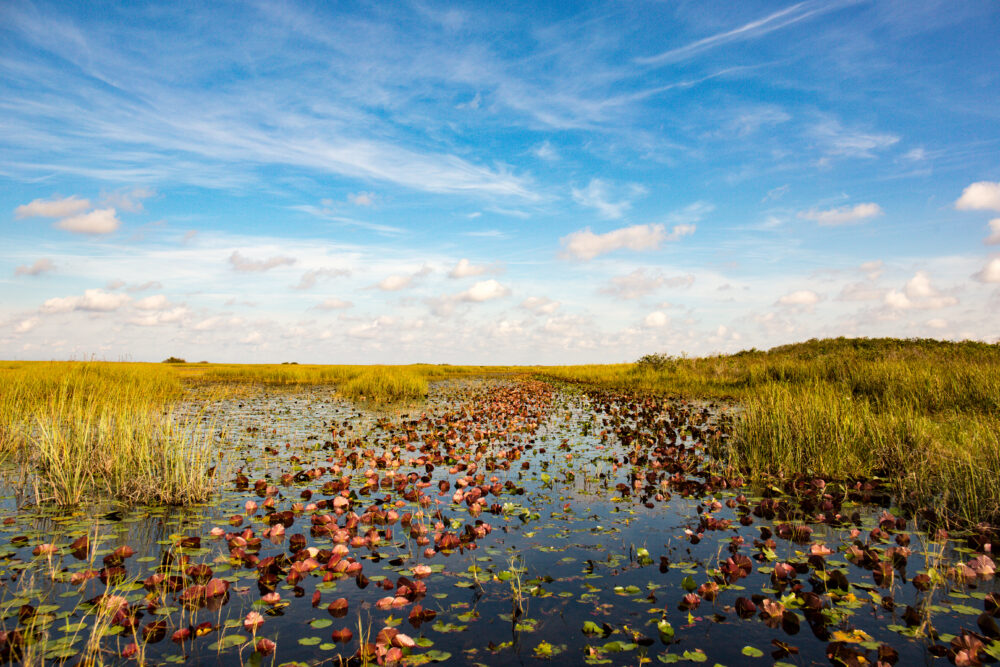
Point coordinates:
[(494, 183)]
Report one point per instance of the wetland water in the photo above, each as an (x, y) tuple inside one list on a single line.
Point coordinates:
[(497, 522)]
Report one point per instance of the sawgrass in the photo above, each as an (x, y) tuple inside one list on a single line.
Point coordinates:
[(923, 415)]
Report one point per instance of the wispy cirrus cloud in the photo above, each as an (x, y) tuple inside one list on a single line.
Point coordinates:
[(844, 215), (750, 30), (247, 265)]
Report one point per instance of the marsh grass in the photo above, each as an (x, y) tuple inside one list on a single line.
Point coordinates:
[(384, 385), (87, 430), (922, 415)]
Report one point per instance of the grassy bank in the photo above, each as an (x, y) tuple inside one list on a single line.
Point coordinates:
[(922, 415)]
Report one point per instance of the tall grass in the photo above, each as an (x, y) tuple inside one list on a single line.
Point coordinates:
[(86, 430), (924, 415), (384, 385)]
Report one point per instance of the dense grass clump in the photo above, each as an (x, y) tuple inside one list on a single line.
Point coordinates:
[(385, 385), (84, 430), (923, 415)]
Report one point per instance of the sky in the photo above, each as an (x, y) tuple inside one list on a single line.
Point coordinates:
[(494, 183)]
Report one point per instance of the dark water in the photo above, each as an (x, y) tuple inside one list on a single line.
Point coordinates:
[(572, 546)]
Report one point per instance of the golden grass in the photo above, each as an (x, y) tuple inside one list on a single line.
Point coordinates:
[(103, 430)]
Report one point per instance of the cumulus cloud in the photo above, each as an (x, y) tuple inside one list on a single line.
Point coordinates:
[(52, 208), (656, 320), (918, 293), (597, 195), (155, 302), (994, 237), (990, 272), (465, 269), (98, 221), (95, 300), (845, 215), (334, 304), (937, 323), (40, 266), (800, 298), (311, 277), (585, 244), (397, 282), (484, 290), (246, 265), (981, 196), (540, 304)]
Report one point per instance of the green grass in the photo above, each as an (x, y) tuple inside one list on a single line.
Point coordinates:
[(923, 415)]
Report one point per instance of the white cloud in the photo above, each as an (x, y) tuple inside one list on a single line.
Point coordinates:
[(96, 300), (861, 292), (155, 302), (872, 269), (585, 244), (252, 338), (918, 294), (546, 151), (52, 208), (981, 196), (800, 298), (485, 290), (362, 198), (845, 215), (24, 326), (311, 277), (540, 304), (634, 285), (244, 264), (597, 195), (751, 30), (994, 237), (657, 319), (128, 200), (838, 141), (98, 221), (218, 322), (465, 269), (990, 272), (334, 304), (395, 282), (153, 319), (937, 323), (40, 266)]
